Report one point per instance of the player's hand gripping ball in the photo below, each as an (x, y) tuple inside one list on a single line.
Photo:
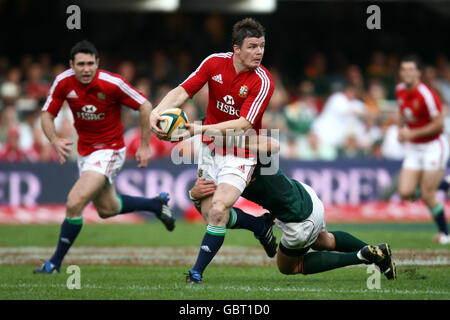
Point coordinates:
[(173, 121)]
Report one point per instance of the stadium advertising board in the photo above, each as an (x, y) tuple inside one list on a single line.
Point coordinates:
[(348, 188)]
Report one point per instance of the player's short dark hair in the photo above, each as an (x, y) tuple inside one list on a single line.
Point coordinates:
[(83, 46), (246, 28), (412, 58)]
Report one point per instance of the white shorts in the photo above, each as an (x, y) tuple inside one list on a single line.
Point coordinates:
[(227, 168), (300, 235), (106, 161), (431, 155)]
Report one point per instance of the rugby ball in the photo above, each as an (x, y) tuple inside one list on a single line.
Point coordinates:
[(173, 120)]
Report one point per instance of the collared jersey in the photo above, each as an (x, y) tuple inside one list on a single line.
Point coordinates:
[(418, 106), (96, 107), (231, 95), (285, 198)]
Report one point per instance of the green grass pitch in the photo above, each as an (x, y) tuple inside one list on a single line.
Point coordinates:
[(418, 277)]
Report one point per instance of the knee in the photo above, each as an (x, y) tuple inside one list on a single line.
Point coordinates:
[(405, 194), (219, 207), (74, 206), (427, 193), (104, 212), (103, 215), (325, 242), (291, 265), (218, 213), (430, 201), (287, 270)]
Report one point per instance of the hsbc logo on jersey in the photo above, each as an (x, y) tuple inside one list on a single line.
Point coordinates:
[(89, 113), (227, 107), (89, 108), (228, 99), (409, 115)]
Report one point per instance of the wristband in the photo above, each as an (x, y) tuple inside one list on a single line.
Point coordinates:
[(197, 202)]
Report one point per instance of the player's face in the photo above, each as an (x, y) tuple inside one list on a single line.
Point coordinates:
[(85, 66), (409, 73), (251, 52)]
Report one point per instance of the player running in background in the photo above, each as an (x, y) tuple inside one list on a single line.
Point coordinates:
[(239, 91), (300, 215), (95, 98), (426, 147)]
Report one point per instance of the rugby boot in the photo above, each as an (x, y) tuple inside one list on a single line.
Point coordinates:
[(387, 265), (371, 254), (441, 238), (166, 214), (193, 277), (47, 267), (267, 239)]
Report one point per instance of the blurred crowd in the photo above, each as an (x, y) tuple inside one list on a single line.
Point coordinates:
[(326, 115)]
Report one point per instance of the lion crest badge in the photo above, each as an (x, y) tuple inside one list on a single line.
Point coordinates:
[(243, 91)]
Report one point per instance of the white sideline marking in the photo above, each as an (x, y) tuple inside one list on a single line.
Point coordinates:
[(165, 255), (236, 288)]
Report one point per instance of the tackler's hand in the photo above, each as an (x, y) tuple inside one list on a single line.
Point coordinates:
[(202, 189)]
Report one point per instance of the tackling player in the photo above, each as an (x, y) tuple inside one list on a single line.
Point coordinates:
[(300, 215), (95, 98), (239, 91), (427, 150)]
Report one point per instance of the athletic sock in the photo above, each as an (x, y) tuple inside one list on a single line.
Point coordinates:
[(345, 242), (212, 241), (439, 218), (241, 220), (417, 194), (70, 229), (315, 262), (444, 186), (130, 204)]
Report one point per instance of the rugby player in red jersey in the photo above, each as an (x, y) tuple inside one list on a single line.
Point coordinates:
[(239, 90), (427, 150), (95, 98)]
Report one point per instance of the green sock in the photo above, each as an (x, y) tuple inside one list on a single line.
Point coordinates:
[(417, 193), (437, 209), (323, 261), (345, 242), (77, 220), (439, 218), (232, 221)]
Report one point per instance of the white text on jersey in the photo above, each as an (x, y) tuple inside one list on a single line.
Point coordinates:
[(89, 113)]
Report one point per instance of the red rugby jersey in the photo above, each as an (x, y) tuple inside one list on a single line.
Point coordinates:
[(96, 107), (418, 106), (231, 95)]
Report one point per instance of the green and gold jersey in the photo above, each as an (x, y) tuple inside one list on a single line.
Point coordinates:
[(285, 198)]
